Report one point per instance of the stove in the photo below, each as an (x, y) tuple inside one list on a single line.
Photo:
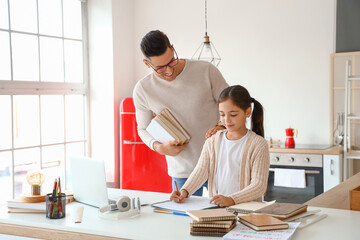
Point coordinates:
[(303, 146), (311, 163)]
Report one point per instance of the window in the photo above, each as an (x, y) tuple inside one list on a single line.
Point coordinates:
[(43, 90)]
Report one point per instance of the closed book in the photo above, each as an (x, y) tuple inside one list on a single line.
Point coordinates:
[(248, 207), (16, 203), (283, 210), (158, 130), (176, 131), (217, 214), (261, 222), (213, 229), (24, 210), (212, 224), (165, 127), (166, 113)]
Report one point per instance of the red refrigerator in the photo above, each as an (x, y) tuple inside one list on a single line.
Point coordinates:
[(140, 167)]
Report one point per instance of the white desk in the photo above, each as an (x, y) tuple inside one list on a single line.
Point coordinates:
[(340, 224)]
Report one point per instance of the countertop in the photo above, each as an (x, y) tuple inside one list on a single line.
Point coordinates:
[(337, 197), (333, 150), (339, 224)]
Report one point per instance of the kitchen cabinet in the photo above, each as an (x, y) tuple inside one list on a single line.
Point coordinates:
[(332, 169)]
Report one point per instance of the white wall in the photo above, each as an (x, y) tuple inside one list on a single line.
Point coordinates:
[(111, 60), (101, 76), (123, 45), (278, 49)]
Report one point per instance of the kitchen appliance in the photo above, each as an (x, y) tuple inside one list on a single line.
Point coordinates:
[(140, 167), (289, 141), (313, 166), (339, 129)]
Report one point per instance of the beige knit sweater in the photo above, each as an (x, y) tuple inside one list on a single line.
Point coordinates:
[(254, 169), (192, 98)]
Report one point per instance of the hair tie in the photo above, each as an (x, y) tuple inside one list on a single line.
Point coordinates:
[(252, 100)]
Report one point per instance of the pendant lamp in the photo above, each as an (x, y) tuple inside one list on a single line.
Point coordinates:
[(207, 51)]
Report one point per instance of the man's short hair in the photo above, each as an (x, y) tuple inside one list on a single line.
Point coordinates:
[(154, 43)]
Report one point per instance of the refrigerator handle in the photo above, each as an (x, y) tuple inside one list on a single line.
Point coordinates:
[(131, 142)]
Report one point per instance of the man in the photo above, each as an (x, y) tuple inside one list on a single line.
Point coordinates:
[(189, 89)]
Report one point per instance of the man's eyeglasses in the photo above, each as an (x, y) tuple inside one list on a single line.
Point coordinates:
[(171, 64)]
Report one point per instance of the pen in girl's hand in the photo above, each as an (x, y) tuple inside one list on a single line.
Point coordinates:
[(177, 189)]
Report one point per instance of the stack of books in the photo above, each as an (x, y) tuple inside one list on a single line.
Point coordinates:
[(165, 127), (17, 206), (211, 222)]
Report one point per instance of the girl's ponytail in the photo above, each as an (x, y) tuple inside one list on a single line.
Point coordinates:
[(257, 119)]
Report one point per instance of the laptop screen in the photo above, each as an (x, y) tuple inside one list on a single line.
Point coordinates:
[(88, 181)]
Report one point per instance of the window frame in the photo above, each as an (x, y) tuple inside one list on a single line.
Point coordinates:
[(13, 87)]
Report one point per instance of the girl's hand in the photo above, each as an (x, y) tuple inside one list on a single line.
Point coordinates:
[(179, 197), (213, 130), (222, 201)]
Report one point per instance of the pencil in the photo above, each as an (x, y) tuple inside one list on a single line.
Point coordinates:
[(61, 206), (58, 208), (177, 187), (51, 206), (54, 197)]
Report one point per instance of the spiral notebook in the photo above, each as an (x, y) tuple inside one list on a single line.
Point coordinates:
[(212, 224), (217, 214), (209, 227)]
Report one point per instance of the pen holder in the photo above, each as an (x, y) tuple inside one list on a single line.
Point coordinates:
[(55, 206)]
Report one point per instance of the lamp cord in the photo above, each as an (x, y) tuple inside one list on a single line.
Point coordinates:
[(205, 17)]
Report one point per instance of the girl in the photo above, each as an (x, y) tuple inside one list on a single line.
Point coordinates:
[(235, 161)]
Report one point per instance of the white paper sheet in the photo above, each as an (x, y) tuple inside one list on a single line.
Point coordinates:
[(242, 232), (290, 178), (191, 203)]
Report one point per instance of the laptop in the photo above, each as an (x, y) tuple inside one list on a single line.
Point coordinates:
[(87, 176)]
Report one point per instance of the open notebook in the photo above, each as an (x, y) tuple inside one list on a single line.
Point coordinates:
[(191, 203)]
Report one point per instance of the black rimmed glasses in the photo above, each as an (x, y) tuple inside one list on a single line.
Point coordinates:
[(171, 64)]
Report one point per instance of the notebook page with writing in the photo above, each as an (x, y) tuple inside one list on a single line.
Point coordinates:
[(241, 231), (191, 203)]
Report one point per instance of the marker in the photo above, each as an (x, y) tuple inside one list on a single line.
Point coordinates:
[(179, 213)]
